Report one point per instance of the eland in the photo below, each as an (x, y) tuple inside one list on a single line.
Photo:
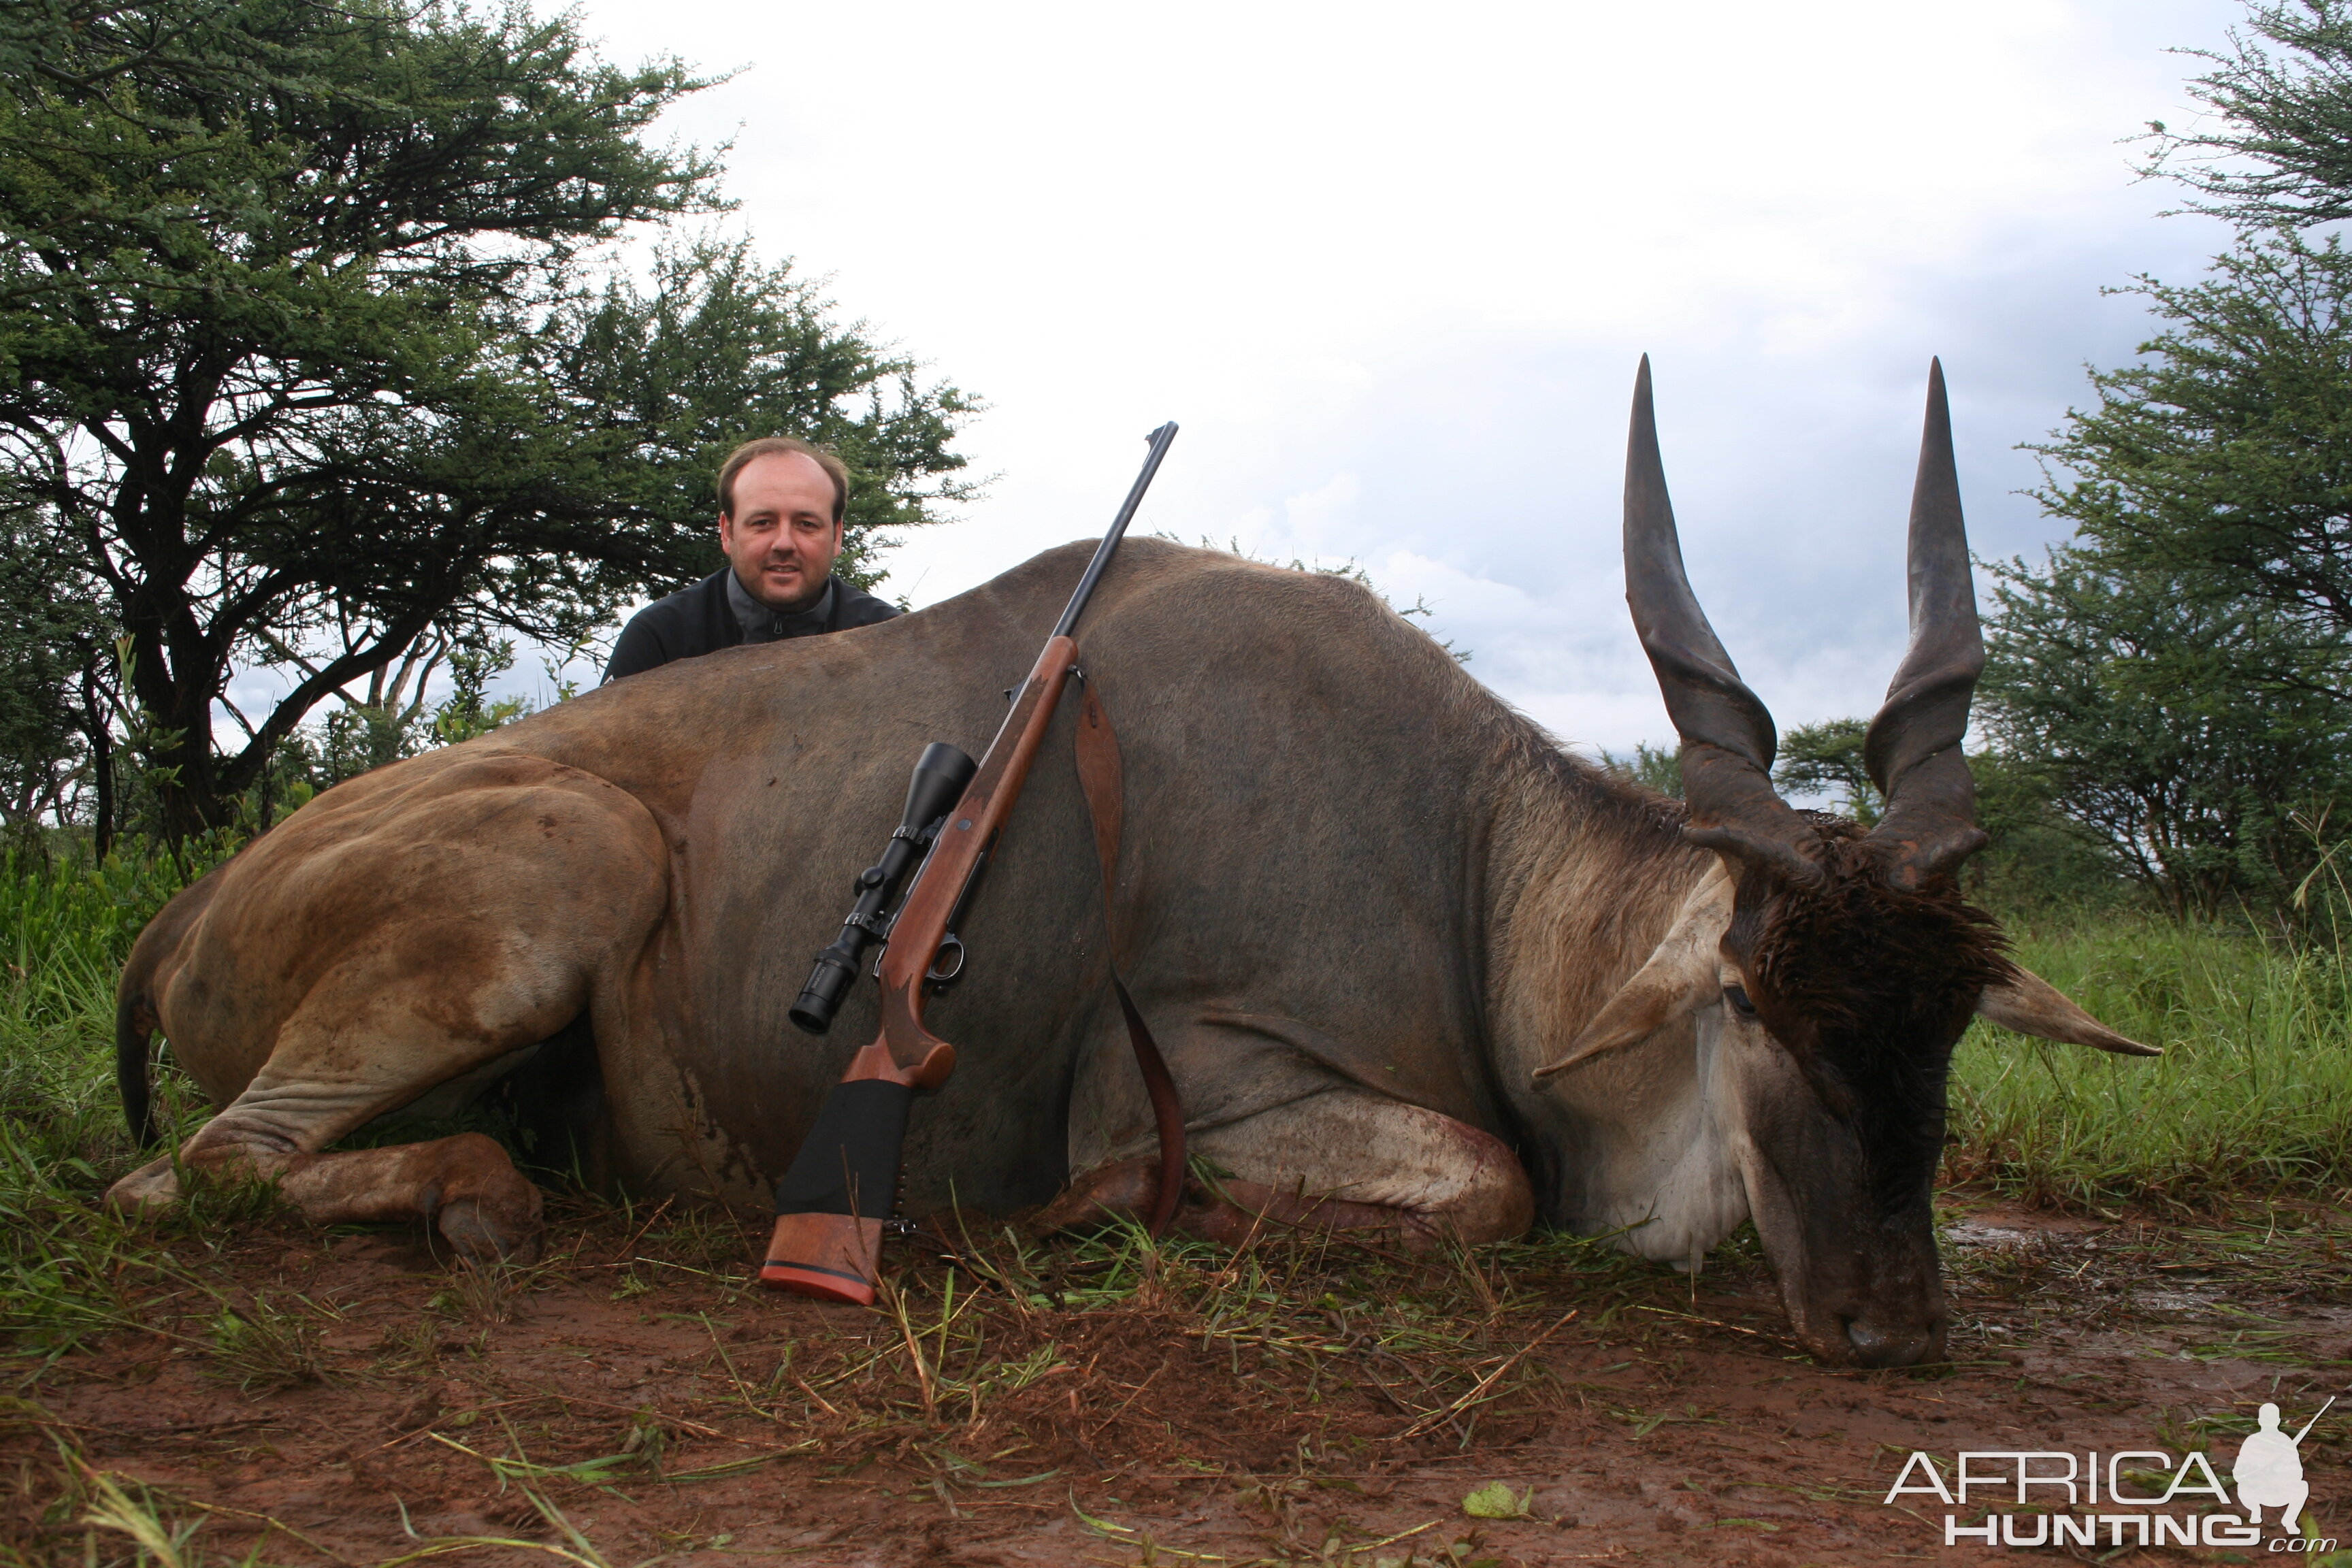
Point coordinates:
[(1418, 972)]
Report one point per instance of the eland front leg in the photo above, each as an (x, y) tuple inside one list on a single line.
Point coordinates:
[(1341, 1160)]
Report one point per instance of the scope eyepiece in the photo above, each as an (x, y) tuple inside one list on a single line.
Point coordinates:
[(939, 779), (821, 997)]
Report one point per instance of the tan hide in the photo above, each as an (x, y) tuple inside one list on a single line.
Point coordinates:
[(2031, 1005), (1684, 973)]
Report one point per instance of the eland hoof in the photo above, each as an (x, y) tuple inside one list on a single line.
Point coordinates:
[(1123, 1190), (481, 1236), (153, 1186)]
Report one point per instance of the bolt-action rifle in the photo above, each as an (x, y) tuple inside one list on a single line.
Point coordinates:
[(834, 1201)]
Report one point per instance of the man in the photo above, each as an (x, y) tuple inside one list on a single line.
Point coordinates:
[(779, 509)]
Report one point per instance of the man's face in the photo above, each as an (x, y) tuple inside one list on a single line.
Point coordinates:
[(783, 539)]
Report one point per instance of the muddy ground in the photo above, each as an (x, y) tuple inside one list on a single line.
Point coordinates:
[(306, 1397)]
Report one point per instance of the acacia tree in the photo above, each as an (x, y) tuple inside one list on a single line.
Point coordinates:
[(2273, 148), (2187, 728), (313, 328), (2224, 457), (2180, 679), (51, 644), (1826, 759)]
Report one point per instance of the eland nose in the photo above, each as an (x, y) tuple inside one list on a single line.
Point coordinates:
[(1883, 1344)]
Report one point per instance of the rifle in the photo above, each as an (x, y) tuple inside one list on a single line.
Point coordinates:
[(834, 1201)]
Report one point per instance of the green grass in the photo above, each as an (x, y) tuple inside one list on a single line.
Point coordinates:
[(65, 930), (2253, 1098)]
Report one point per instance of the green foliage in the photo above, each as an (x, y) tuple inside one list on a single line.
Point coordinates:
[(467, 710), (1825, 759), (719, 348), (65, 930), (2176, 682), (2166, 720), (2222, 466), (315, 347), (2039, 861), (1495, 1499), (2273, 145), (1658, 768), (390, 720), (52, 644), (142, 1519), (67, 926)]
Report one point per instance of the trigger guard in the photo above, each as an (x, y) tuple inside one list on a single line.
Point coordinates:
[(944, 967)]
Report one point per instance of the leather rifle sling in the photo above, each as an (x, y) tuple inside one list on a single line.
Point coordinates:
[(1102, 780)]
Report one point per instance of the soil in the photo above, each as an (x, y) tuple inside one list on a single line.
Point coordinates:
[(636, 1398)]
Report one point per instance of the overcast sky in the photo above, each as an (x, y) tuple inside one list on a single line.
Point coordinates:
[(1392, 268)]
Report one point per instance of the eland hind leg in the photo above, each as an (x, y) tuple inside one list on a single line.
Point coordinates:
[(336, 1067), (357, 958)]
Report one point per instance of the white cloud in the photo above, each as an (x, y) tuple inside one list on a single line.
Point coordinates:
[(1392, 265)]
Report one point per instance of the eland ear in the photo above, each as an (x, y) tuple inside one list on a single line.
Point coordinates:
[(2031, 1005), (1684, 973)]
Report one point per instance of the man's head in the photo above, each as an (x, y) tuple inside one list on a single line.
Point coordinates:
[(779, 509)]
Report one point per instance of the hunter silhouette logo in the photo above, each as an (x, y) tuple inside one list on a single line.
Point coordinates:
[(2269, 1471), (2140, 1497)]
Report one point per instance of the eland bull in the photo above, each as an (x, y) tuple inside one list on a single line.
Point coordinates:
[(1412, 966)]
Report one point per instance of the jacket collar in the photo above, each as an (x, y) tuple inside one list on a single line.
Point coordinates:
[(761, 624)]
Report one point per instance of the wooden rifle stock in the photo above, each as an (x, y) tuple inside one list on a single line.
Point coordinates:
[(831, 1206)]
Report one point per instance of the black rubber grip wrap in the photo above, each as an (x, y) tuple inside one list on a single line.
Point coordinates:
[(849, 1161)]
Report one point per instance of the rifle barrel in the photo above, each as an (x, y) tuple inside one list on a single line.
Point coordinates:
[(1160, 440)]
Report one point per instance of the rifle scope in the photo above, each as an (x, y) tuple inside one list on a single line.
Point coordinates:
[(940, 775)]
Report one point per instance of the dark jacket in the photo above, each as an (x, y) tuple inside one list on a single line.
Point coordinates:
[(700, 620)]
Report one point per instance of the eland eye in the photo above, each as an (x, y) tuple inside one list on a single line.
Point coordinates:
[(1737, 996)]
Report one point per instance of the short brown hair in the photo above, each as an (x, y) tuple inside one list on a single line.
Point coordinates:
[(776, 446)]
